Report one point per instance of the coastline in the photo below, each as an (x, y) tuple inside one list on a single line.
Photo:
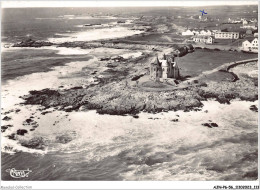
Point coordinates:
[(78, 109)]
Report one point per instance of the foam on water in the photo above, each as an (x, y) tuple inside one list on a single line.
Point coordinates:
[(96, 34), (161, 149)]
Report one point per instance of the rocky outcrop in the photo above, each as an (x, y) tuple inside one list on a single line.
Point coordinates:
[(114, 95), (6, 118), (21, 132), (66, 138), (210, 125), (32, 43), (4, 127), (253, 108), (35, 143)]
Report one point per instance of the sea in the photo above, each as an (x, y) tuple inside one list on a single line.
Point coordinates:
[(164, 146)]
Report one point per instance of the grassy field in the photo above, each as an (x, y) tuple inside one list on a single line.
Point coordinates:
[(201, 60)]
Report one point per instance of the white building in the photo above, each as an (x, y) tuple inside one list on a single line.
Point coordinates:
[(245, 22), (195, 32), (203, 32), (227, 35), (203, 39), (249, 26), (255, 44), (250, 46), (187, 33)]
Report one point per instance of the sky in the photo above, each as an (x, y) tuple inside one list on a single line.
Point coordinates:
[(19, 4)]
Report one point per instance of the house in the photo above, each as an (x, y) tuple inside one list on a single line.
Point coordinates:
[(195, 32), (203, 32), (255, 45), (164, 68), (250, 46), (250, 26), (203, 39), (244, 22), (209, 40), (187, 33), (246, 45), (208, 33), (214, 31), (253, 20), (227, 35)]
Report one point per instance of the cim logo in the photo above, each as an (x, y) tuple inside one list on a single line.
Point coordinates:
[(18, 173)]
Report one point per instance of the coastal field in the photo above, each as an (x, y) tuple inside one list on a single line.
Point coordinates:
[(77, 102)]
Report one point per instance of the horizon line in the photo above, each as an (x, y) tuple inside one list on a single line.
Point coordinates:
[(76, 4)]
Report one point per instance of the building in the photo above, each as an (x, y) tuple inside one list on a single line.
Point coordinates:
[(203, 39), (246, 45), (164, 68), (226, 35), (214, 31), (250, 26), (209, 33), (195, 32), (187, 33), (205, 33), (244, 21), (255, 45), (250, 46), (253, 20)]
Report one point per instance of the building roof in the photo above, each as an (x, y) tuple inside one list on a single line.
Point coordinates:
[(250, 39), (164, 57)]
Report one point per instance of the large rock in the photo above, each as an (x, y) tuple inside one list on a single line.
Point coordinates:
[(66, 137), (210, 125), (253, 108), (35, 143), (21, 131)]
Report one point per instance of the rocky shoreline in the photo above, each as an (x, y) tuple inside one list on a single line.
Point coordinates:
[(116, 99), (113, 95)]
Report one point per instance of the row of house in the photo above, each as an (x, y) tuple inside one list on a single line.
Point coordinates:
[(198, 32), (250, 45), (249, 26), (242, 21), (216, 33)]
